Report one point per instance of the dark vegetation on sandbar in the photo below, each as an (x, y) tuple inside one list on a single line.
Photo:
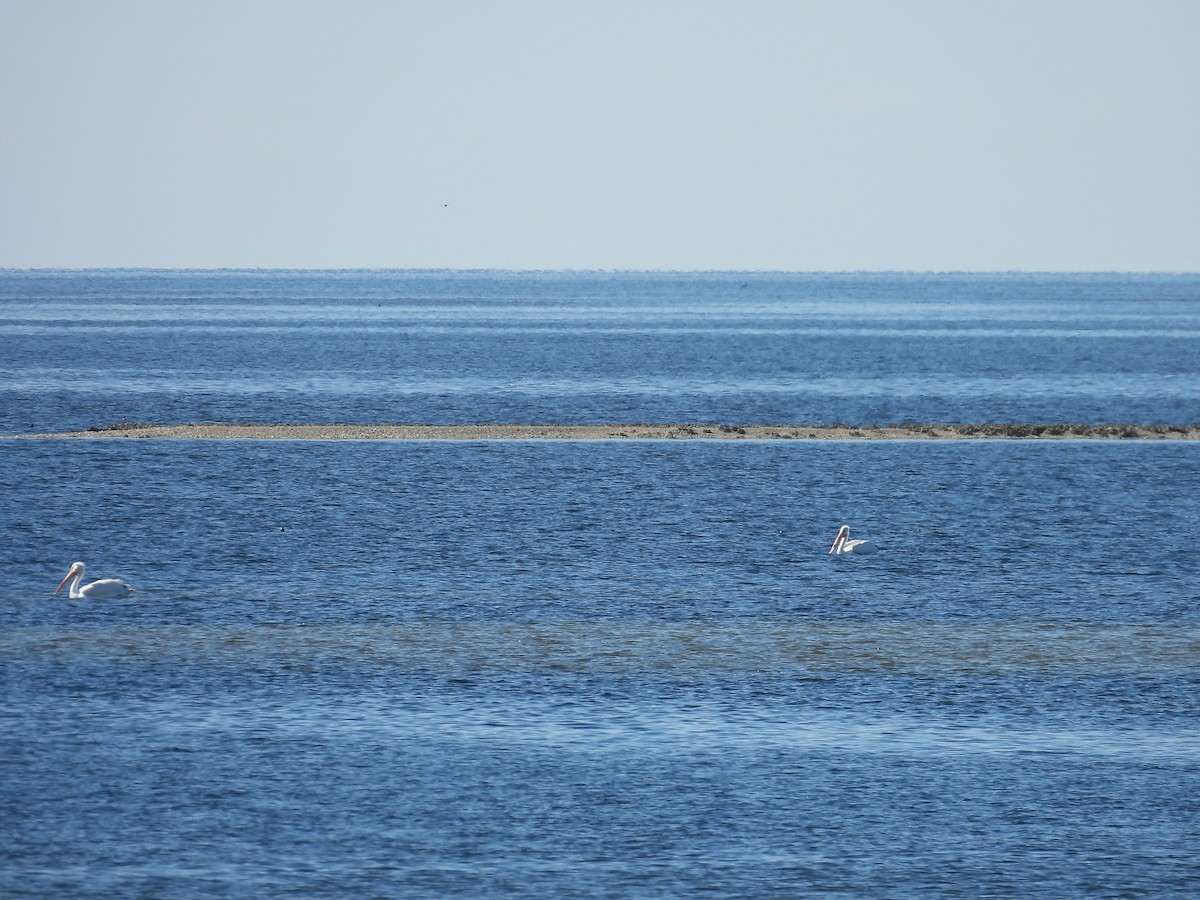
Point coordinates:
[(639, 431)]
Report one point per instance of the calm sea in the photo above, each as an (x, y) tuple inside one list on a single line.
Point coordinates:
[(87, 349), (599, 669)]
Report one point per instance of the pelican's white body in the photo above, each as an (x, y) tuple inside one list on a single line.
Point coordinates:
[(843, 546), (104, 589)]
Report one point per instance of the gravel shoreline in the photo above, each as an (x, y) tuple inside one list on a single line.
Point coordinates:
[(348, 432)]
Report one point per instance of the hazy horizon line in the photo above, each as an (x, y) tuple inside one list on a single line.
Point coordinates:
[(598, 270)]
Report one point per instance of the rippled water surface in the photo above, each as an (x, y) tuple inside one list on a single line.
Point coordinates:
[(601, 669), (611, 668), (87, 349)]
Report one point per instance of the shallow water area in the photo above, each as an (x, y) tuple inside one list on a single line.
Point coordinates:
[(602, 668)]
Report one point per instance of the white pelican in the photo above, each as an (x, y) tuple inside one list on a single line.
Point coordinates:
[(843, 546), (104, 589)]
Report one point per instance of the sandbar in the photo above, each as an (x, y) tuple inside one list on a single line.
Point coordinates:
[(639, 432)]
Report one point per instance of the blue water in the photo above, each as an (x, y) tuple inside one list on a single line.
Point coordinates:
[(601, 669), (88, 349)]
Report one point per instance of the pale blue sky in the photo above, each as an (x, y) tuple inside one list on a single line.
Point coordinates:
[(622, 134)]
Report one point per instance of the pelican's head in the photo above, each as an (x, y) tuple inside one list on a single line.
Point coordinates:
[(843, 533), (76, 568)]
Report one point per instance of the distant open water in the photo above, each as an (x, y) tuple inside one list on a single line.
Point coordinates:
[(91, 348), (599, 668)]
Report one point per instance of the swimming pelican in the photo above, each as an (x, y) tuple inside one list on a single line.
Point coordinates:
[(843, 546), (104, 589)]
